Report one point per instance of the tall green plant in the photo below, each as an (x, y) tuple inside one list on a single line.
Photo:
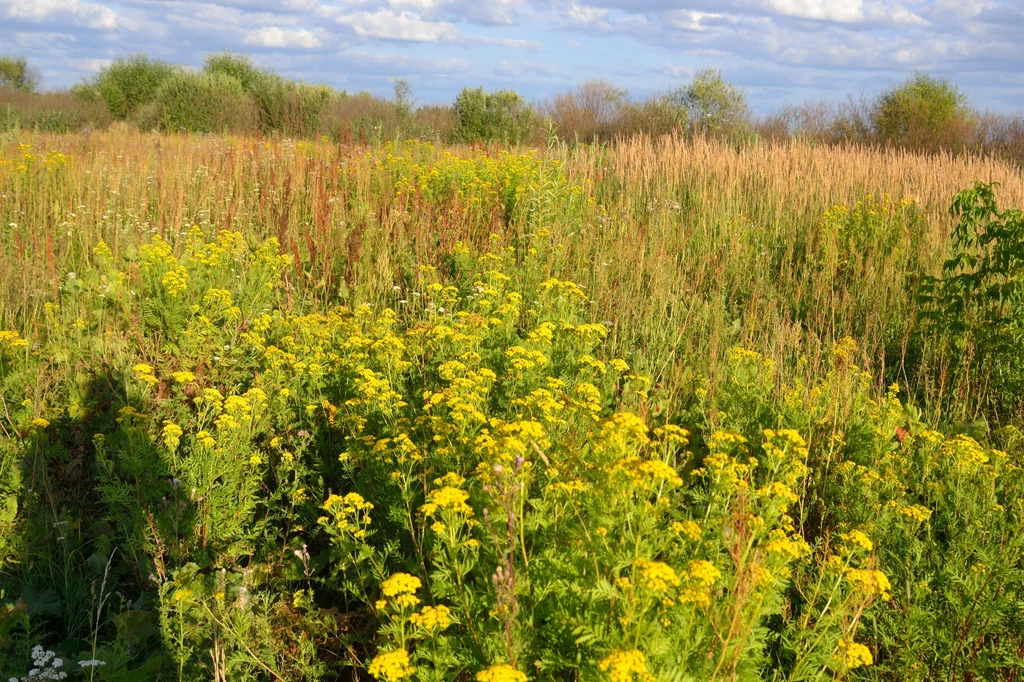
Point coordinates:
[(976, 308)]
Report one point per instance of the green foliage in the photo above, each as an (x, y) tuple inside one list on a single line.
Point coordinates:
[(922, 112), (976, 308), (17, 74), (202, 102), (282, 105), (501, 116), (712, 104), (129, 83)]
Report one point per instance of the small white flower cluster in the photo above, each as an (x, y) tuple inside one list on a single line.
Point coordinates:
[(45, 666)]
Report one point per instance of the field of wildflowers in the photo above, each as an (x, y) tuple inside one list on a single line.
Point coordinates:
[(279, 410)]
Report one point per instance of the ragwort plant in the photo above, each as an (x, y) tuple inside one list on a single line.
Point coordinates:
[(455, 486)]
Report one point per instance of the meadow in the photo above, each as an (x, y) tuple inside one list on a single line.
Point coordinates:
[(669, 408)]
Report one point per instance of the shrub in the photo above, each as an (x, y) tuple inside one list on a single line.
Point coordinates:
[(203, 102), (283, 105), (923, 113), (590, 112), (17, 74), (501, 116), (51, 112), (128, 84), (713, 105), (976, 308)]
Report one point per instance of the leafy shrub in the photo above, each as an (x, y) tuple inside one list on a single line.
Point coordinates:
[(203, 102), (713, 105), (501, 116), (128, 84), (976, 309), (17, 74), (283, 105), (923, 112)]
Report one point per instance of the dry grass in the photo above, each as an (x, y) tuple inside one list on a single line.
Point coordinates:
[(687, 246)]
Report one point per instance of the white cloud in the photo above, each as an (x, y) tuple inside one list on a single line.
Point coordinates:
[(584, 14), (391, 25), (92, 64), (273, 36), (514, 43), (87, 14)]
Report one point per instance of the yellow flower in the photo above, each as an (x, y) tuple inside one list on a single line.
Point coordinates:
[(626, 666), (501, 672), (171, 434), (447, 498), (688, 528), (853, 655), (704, 572), (431, 617), (176, 281), (855, 538), (657, 576), (917, 513), (870, 581), (391, 665), (40, 423), (183, 377), (402, 588)]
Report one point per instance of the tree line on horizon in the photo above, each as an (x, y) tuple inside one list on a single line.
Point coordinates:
[(232, 94)]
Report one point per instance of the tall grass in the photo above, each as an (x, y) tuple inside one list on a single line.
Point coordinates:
[(637, 412), (686, 245)]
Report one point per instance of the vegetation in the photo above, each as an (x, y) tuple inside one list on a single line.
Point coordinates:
[(15, 73), (501, 116), (275, 409), (231, 94)]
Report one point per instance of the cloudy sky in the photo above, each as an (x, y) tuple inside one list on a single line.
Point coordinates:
[(779, 51)]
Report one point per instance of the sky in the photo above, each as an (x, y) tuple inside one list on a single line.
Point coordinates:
[(779, 51)]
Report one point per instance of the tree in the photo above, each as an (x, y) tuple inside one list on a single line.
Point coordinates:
[(589, 112), (922, 112), (501, 116), (131, 82), (16, 73), (713, 105)]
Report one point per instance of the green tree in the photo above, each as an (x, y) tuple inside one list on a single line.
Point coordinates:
[(712, 104), (501, 116), (16, 73), (923, 113), (130, 82)]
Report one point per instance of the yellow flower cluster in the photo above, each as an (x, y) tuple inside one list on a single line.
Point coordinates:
[(790, 548), (448, 497), (656, 575), (965, 451), (349, 513), (11, 340), (688, 528), (176, 281), (432, 617), (703, 573), (645, 473), (501, 672), (856, 539), (171, 435), (402, 588), (626, 666), (391, 665), (916, 512), (852, 655), (870, 582)]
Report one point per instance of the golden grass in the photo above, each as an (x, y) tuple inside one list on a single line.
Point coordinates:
[(687, 246)]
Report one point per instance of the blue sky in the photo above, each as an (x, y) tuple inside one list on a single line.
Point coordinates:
[(780, 51)]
